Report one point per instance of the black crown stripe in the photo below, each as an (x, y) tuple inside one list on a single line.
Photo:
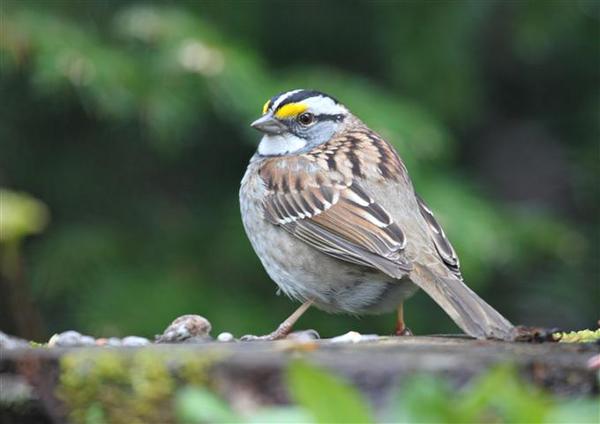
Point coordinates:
[(299, 96)]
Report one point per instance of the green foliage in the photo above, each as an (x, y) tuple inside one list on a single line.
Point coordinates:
[(198, 405), (281, 415), (328, 398), (20, 215), (499, 396)]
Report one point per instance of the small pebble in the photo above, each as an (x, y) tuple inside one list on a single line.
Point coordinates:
[(349, 337), (111, 341), (87, 341), (71, 339), (369, 337), (186, 327), (225, 337), (9, 342), (114, 341), (354, 337), (303, 336), (135, 341)]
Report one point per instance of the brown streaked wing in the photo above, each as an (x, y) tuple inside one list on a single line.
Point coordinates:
[(336, 217)]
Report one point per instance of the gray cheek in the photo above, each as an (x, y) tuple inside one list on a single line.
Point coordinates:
[(318, 134)]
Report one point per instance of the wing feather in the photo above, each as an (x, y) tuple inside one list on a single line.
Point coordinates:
[(336, 216), (441, 242)]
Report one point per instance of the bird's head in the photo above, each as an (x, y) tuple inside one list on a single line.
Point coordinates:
[(297, 121)]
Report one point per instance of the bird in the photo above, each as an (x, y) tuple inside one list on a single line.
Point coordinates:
[(332, 214)]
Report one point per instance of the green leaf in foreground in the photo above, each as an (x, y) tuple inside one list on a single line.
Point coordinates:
[(198, 405), (499, 395), (280, 415), (327, 397)]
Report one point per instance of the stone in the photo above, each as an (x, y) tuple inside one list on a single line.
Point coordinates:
[(186, 327), (114, 341), (225, 337), (303, 336), (135, 341), (9, 342), (354, 337), (71, 339)]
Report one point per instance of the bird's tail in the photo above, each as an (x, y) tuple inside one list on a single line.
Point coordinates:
[(470, 312)]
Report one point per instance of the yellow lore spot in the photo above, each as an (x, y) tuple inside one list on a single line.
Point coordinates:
[(290, 110), (266, 106)]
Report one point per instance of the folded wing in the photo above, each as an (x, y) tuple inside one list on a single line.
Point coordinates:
[(337, 217)]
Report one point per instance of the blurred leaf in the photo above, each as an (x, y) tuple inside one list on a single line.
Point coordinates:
[(499, 395), (20, 215), (95, 414), (502, 395), (447, 79), (568, 411), (280, 415), (328, 398), (198, 405), (424, 398)]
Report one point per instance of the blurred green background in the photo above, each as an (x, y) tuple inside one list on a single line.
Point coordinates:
[(124, 135)]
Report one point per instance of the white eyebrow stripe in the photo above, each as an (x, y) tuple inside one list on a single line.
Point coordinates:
[(321, 105), (284, 96)]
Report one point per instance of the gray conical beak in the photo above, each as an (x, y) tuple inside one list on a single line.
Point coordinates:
[(268, 124)]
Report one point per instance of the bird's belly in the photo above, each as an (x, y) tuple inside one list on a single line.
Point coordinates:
[(303, 272)]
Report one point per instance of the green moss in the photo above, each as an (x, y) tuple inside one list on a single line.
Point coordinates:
[(118, 387), (193, 368), (581, 336)]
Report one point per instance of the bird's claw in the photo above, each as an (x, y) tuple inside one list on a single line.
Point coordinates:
[(253, 338), (280, 335), (404, 332)]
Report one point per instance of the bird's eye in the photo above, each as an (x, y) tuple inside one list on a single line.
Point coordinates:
[(306, 118)]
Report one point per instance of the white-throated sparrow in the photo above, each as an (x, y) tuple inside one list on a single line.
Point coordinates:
[(332, 214)]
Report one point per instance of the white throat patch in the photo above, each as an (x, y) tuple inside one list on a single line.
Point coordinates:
[(277, 145)]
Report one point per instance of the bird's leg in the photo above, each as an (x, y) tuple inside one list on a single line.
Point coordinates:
[(401, 328), (284, 328)]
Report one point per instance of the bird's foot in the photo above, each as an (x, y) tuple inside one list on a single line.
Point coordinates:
[(284, 328), (404, 332), (299, 336), (253, 338), (401, 328), (281, 333)]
